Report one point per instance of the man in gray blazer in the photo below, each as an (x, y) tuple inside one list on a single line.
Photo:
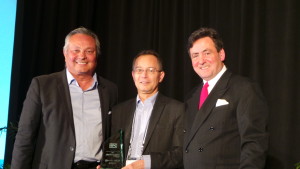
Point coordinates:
[(152, 122), (65, 116), (228, 128)]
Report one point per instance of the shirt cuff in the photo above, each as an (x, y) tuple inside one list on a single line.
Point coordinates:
[(147, 161)]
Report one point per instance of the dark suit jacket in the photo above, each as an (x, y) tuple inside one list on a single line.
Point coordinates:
[(46, 136), (165, 131), (230, 136)]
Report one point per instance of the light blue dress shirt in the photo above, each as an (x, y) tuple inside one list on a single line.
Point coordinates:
[(87, 120), (139, 129)]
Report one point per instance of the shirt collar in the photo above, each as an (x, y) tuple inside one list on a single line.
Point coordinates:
[(150, 100), (71, 79), (214, 80)]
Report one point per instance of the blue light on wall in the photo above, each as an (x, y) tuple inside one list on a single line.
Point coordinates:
[(7, 31)]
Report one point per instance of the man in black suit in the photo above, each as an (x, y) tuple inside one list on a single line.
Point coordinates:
[(65, 114), (152, 122), (228, 129)]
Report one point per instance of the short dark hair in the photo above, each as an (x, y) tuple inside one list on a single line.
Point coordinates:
[(202, 33), (149, 52)]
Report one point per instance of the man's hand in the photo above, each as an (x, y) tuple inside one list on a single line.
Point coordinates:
[(135, 165), (98, 167)]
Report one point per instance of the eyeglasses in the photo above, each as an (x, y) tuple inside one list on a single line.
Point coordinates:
[(150, 70)]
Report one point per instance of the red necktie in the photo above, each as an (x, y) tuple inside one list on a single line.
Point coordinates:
[(203, 94)]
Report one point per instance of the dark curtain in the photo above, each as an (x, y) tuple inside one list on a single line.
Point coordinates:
[(260, 36)]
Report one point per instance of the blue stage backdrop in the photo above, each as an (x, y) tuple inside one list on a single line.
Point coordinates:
[(7, 30)]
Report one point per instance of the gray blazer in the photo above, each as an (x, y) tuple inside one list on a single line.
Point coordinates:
[(165, 132), (46, 136), (232, 135)]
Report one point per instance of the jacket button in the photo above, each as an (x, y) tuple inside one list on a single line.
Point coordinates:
[(184, 131), (71, 148), (186, 150), (211, 128), (200, 149)]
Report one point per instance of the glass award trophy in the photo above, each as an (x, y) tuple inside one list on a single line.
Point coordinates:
[(113, 152)]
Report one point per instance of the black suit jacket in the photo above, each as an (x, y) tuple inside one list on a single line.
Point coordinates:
[(165, 131), (229, 136), (46, 136)]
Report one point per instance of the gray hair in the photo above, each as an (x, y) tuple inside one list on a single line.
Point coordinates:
[(83, 30)]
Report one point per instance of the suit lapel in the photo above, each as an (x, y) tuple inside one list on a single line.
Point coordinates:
[(128, 120), (209, 104), (155, 116), (193, 108), (63, 88), (104, 98)]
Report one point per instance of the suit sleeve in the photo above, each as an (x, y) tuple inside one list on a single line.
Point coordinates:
[(24, 146), (252, 115), (171, 158)]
